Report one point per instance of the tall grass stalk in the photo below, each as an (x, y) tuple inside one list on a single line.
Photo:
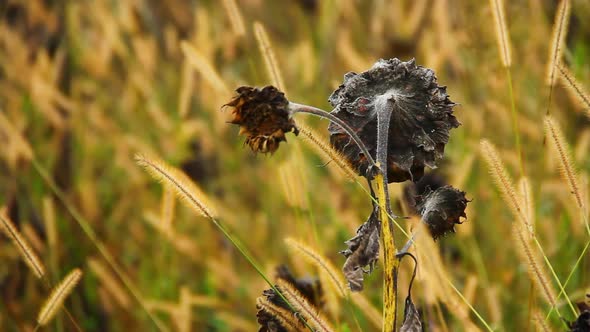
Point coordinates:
[(89, 232), (181, 185)]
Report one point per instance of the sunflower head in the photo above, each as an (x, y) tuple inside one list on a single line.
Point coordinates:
[(442, 209), (419, 125), (263, 117)]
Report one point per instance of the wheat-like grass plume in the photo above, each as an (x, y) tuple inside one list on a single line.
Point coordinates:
[(503, 181), (270, 59), (321, 263), (185, 189), (528, 203), (110, 283), (576, 89), (235, 17), (283, 316), (303, 307), (557, 40), (536, 271), (324, 148), (13, 133), (368, 309), (540, 322), (24, 249), (55, 301), (568, 170), (204, 67), (502, 36)]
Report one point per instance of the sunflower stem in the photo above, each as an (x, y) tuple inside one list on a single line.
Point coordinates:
[(391, 262), (300, 108)]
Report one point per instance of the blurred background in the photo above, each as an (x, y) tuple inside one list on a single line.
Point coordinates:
[(87, 84)]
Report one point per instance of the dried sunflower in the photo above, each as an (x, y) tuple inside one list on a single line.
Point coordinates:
[(419, 125), (263, 117), (441, 209)]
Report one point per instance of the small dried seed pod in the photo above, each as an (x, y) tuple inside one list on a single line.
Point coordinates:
[(442, 209), (421, 117), (263, 117)]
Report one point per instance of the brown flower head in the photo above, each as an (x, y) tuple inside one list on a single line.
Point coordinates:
[(263, 117), (442, 209), (421, 118), (582, 323)]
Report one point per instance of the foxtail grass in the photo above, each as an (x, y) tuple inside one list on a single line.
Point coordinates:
[(506, 188), (325, 149), (110, 283), (175, 180), (204, 67), (528, 203), (286, 318), (235, 17), (557, 40), (557, 43), (193, 199), (536, 271), (24, 249), (55, 301), (567, 168), (503, 181), (323, 265), (304, 308), (502, 36), (89, 232), (574, 87), (268, 54)]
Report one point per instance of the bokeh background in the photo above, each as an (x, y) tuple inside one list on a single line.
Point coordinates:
[(87, 84)]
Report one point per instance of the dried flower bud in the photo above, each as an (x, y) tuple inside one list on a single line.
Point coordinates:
[(442, 209), (263, 117), (420, 121), (432, 180), (362, 251), (582, 323)]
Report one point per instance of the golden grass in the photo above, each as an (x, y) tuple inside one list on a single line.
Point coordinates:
[(566, 163), (503, 181), (270, 60), (558, 35), (502, 36), (304, 308), (110, 283), (24, 249), (325, 149), (201, 64), (57, 297), (530, 257), (324, 266), (235, 17), (576, 89), (285, 317), (185, 189)]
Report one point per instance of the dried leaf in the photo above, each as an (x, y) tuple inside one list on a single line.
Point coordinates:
[(363, 250), (412, 322)]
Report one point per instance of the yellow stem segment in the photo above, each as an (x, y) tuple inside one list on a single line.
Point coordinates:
[(390, 262)]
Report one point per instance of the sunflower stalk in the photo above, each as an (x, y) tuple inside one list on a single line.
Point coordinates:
[(299, 108), (390, 262)]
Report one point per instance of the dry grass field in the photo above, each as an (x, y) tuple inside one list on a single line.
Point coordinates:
[(130, 203)]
